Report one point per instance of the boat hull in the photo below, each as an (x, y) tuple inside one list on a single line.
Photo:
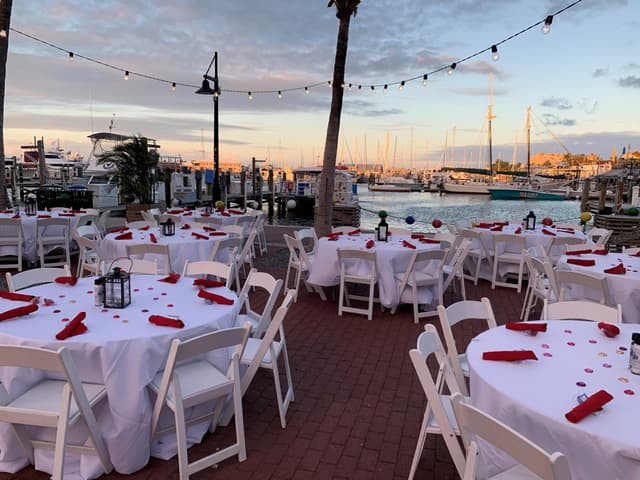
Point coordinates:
[(467, 188), (388, 188), (523, 194)]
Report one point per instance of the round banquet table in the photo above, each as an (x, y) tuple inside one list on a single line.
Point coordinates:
[(121, 349), (391, 258), (183, 245), (623, 289), (189, 216), (574, 357)]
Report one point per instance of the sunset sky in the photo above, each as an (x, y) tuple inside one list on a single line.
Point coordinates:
[(582, 79)]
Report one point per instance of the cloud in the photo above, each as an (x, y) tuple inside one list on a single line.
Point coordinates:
[(363, 108), (557, 103), (630, 81), (600, 72), (588, 105), (550, 119)]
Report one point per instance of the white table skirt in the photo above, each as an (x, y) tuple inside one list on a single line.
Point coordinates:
[(391, 258), (183, 245), (122, 350), (533, 396), (623, 289)]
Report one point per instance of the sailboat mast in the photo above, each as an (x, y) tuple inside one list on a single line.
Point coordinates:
[(490, 116), (529, 142)]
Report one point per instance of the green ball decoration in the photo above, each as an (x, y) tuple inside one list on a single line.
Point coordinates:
[(382, 214), (633, 211)]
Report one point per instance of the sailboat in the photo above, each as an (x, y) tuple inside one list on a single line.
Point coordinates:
[(526, 192)]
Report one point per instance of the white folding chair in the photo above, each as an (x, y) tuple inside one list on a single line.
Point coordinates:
[(54, 403), (226, 250), (11, 236), (478, 253), (205, 268), (88, 257), (157, 252), (541, 283), (599, 237), (259, 320), (581, 310), (52, 234), (507, 248), (424, 271), (261, 238), (453, 267), (309, 240), (582, 286), (35, 276), (233, 230), (297, 264), (438, 415), (189, 380), (147, 216), (266, 351), (359, 267), (87, 231), (534, 462), (457, 313)]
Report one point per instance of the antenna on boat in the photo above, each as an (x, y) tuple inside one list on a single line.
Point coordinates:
[(529, 141), (490, 116), (111, 122)]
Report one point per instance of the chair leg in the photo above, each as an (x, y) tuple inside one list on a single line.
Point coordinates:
[(422, 436), (181, 435), (61, 438), (370, 304), (416, 311), (239, 422), (290, 396), (475, 279), (278, 387), (341, 298), (494, 274), (463, 290)]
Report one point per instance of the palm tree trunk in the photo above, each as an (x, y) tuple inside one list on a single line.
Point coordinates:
[(5, 18), (324, 212)]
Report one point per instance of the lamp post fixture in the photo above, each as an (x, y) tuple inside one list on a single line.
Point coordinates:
[(206, 90)]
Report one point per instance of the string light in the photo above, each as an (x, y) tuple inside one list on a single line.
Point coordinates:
[(350, 85), (3, 33), (494, 53), (343, 85), (424, 80), (329, 82), (173, 87), (71, 56), (401, 87), (306, 90), (279, 93), (126, 75), (452, 67), (359, 88), (386, 87), (373, 89), (547, 24)]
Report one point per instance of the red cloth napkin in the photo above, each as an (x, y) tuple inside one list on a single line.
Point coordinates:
[(42, 216), (20, 297), (617, 270), (584, 262), (637, 254), (171, 278), (429, 240), (153, 238), (370, 244), (602, 251), (206, 283), (63, 214), (74, 327), (125, 236), (174, 212), (77, 211), (355, 232), (120, 230), (216, 234), (19, 311), (166, 321), (526, 326), (225, 214), (186, 226), (608, 329), (417, 236), (408, 244), (497, 228), (548, 232), (236, 212), (565, 229), (145, 228), (205, 214), (592, 404), (187, 214), (199, 235), (68, 280), (579, 252), (518, 230), (207, 228), (501, 223), (484, 225), (509, 355), (214, 298)]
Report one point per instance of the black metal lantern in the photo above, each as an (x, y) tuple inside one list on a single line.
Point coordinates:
[(31, 206), (530, 221), (169, 228), (382, 229), (117, 289)]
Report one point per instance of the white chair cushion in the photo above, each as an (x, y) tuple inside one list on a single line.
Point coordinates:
[(252, 347), (194, 378)]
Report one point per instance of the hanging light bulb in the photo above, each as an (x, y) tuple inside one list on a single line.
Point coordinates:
[(359, 88), (343, 85), (424, 80), (71, 56), (350, 85), (373, 89), (386, 88), (126, 75), (216, 93), (329, 82), (547, 24), (250, 96), (494, 53), (452, 67), (173, 87), (401, 87), (3, 33), (279, 93), (306, 90)]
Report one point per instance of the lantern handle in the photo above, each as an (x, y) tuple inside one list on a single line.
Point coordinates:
[(116, 259)]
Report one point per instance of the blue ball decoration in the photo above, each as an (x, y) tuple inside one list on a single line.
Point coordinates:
[(410, 220)]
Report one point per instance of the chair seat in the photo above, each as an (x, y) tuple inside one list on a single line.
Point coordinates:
[(448, 408), (510, 257), (464, 364), (252, 348), (244, 318), (421, 279), (519, 472)]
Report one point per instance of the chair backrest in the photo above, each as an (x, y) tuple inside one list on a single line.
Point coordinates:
[(147, 216), (357, 264), (268, 283), (53, 227), (309, 239), (306, 259), (88, 259), (599, 236), (429, 345), (233, 230), (594, 285), (246, 222), (35, 276), (245, 254), (87, 219), (475, 423), (87, 231), (455, 314), (204, 268), (159, 252), (559, 245), (542, 275), (11, 228), (445, 235), (455, 261), (226, 249), (508, 243), (581, 310), (430, 261), (270, 333), (294, 257), (538, 251)]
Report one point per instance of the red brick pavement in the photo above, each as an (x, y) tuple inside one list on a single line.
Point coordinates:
[(358, 404)]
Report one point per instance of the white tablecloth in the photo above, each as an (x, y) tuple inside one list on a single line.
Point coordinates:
[(623, 289), (391, 257), (122, 350), (183, 245), (189, 216), (533, 396)]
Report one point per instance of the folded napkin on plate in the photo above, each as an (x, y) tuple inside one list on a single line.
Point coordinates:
[(144, 229), (7, 211), (408, 244), (186, 226), (526, 326), (417, 236), (214, 298), (153, 238), (518, 230), (166, 321), (44, 216), (592, 404), (187, 214), (20, 297), (17, 215), (617, 270), (370, 244), (608, 329), (497, 228), (125, 236), (206, 283), (429, 240), (67, 280), (583, 262), (548, 232), (236, 212), (602, 251), (216, 234), (225, 214), (119, 230), (199, 236), (18, 312), (174, 212), (205, 214), (484, 225), (509, 355), (171, 278), (74, 327), (355, 232), (578, 252), (207, 228)]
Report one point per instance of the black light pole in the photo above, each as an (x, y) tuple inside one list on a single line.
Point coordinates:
[(206, 90)]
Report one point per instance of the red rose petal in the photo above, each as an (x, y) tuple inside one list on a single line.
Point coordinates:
[(593, 341), (163, 293), (544, 345), (588, 370), (89, 292), (65, 320), (629, 392), (56, 311), (606, 365), (145, 310), (568, 331), (116, 316), (170, 305), (547, 354), (581, 384), (571, 344)]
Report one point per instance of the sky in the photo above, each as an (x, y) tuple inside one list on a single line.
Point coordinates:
[(582, 79)]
